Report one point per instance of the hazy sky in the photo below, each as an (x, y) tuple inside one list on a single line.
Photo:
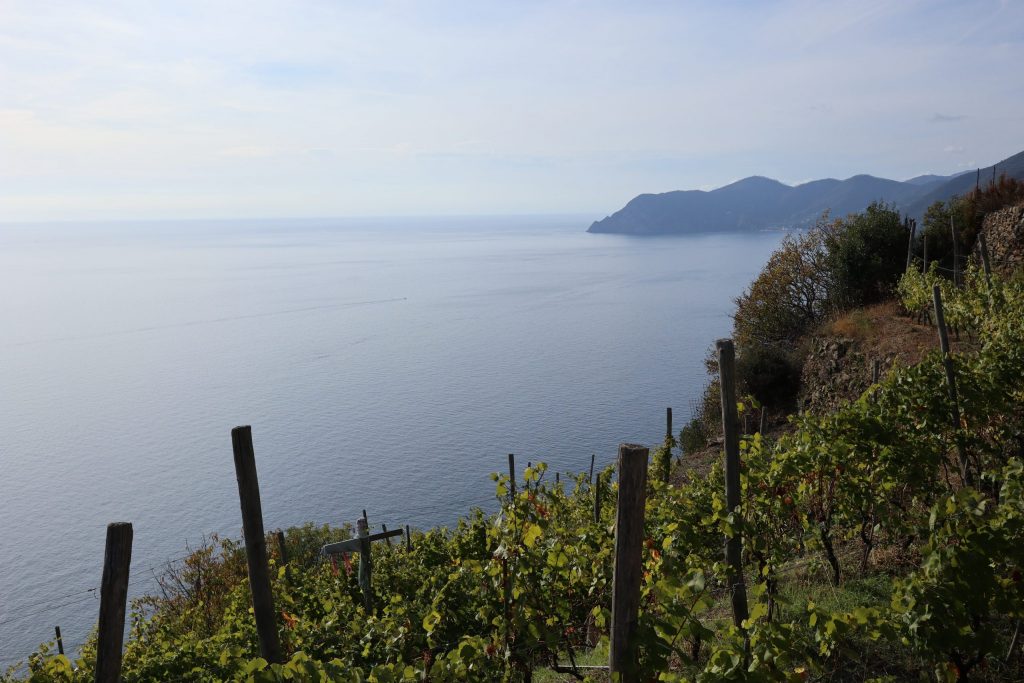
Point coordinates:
[(238, 109)]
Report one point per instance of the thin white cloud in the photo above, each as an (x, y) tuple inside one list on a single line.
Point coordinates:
[(386, 107)]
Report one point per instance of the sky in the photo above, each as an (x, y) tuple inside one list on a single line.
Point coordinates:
[(220, 109)]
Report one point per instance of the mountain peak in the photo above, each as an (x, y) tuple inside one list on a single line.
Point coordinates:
[(760, 203)]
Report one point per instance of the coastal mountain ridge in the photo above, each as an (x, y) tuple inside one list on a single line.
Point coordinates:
[(759, 203)]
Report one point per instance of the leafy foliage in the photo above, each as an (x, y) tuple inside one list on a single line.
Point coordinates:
[(501, 595)]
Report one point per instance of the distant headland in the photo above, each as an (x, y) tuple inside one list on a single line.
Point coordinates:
[(759, 203)]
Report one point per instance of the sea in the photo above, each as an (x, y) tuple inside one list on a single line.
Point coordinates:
[(385, 364)]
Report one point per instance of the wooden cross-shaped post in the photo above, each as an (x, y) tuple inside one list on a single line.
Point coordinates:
[(361, 545)]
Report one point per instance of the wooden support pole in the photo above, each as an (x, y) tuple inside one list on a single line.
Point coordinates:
[(117, 559), (387, 539), (947, 363), (730, 432), (282, 549), (985, 263), (366, 519), (956, 252), (255, 544), (60, 641), (629, 538), (365, 564), (912, 229), (512, 474), (558, 478), (597, 500), (408, 539), (668, 426), (590, 479)]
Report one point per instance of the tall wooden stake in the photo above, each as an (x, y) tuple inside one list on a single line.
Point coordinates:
[(365, 564), (282, 549), (408, 539), (730, 431), (255, 544), (60, 641), (668, 425), (912, 229), (117, 558), (985, 263), (947, 363), (956, 253), (629, 537), (512, 474), (590, 479)]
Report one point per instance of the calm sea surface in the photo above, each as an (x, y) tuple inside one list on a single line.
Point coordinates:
[(383, 364)]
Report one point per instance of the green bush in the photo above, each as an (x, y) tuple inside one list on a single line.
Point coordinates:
[(867, 253)]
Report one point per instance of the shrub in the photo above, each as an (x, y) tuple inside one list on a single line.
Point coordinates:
[(866, 254)]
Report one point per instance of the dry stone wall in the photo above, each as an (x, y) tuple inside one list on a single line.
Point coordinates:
[(1004, 232)]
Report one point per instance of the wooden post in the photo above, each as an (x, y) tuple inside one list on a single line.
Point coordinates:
[(597, 500), (512, 474), (408, 539), (117, 559), (912, 229), (255, 544), (384, 528), (590, 479), (985, 263), (956, 253), (60, 641), (366, 519), (629, 538), (947, 363), (282, 549), (668, 426), (365, 564), (558, 478), (730, 433)]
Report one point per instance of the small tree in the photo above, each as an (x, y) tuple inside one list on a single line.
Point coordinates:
[(867, 253)]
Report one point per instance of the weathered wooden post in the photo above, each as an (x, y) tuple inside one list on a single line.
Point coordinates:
[(956, 252), (255, 544), (60, 641), (947, 363), (282, 549), (512, 474), (597, 500), (912, 229), (668, 426), (590, 479), (629, 538), (987, 266), (384, 528), (117, 559), (361, 544), (365, 564), (730, 433), (408, 539)]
